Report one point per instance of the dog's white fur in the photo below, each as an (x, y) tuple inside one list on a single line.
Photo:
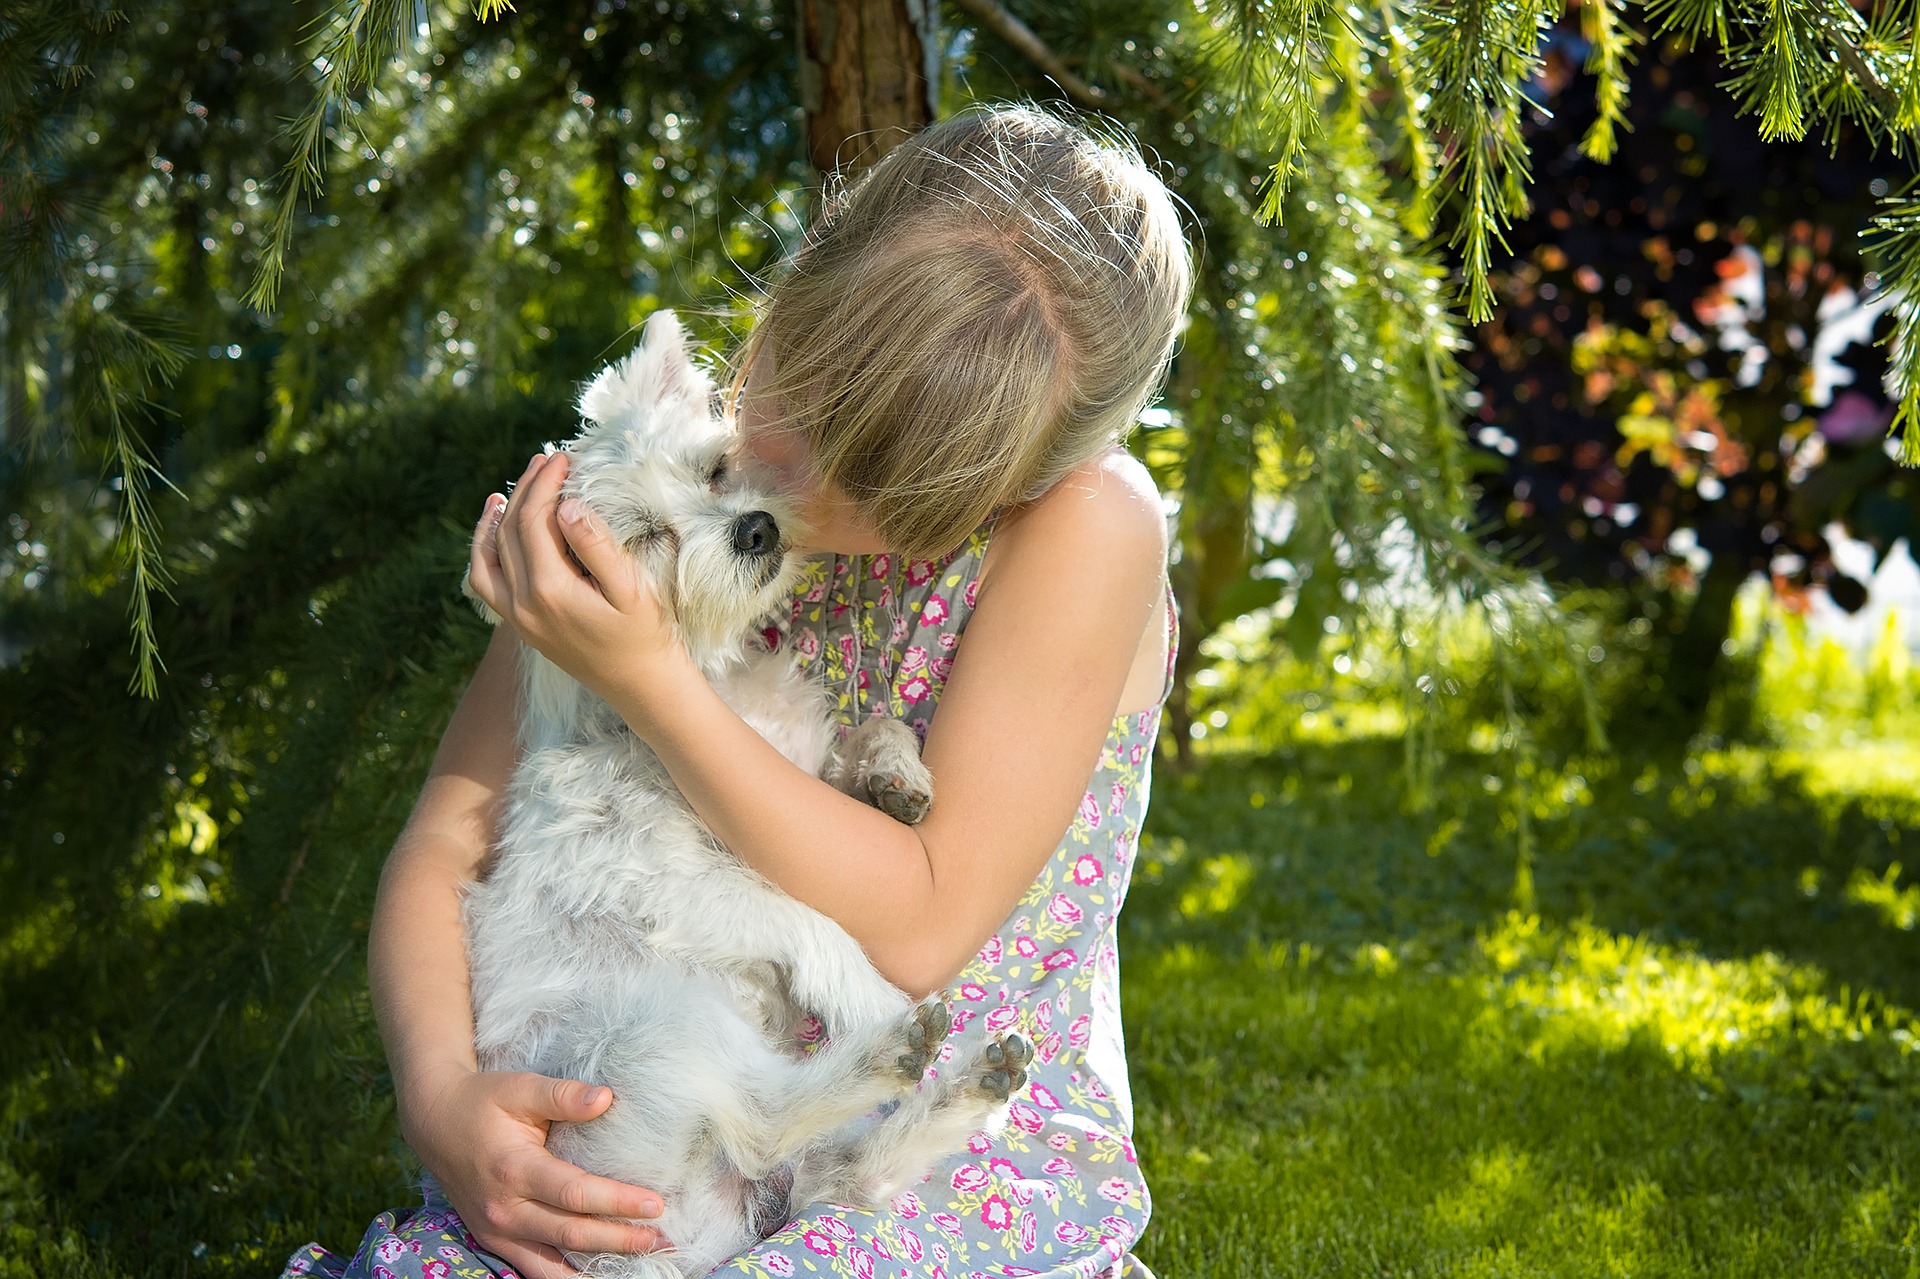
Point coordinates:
[(614, 940)]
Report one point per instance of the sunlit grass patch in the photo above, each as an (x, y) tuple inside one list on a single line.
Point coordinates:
[(1561, 1102)]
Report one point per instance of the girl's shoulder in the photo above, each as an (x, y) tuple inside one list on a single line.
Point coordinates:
[(1105, 512)]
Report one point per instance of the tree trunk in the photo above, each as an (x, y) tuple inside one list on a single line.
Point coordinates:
[(869, 77)]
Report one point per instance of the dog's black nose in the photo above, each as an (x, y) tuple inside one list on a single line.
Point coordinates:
[(755, 533)]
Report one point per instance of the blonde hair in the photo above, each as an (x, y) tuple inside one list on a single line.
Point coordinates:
[(988, 306)]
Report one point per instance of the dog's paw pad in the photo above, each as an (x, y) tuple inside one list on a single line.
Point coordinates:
[(926, 1030), (1006, 1059), (901, 798)]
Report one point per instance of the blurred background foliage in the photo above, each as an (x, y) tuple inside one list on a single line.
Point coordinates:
[(1507, 450)]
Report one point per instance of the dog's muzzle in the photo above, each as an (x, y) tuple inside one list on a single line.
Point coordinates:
[(756, 534)]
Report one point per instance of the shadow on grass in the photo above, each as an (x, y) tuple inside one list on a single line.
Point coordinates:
[(1736, 855)]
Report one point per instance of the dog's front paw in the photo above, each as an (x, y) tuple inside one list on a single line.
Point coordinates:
[(926, 1030), (1004, 1063), (903, 797)]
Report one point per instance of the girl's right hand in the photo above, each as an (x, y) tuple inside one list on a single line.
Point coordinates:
[(483, 1136)]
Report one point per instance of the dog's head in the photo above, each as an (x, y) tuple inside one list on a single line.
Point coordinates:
[(712, 533)]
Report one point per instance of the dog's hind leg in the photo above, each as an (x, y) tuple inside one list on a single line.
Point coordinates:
[(870, 1165), (853, 1076)]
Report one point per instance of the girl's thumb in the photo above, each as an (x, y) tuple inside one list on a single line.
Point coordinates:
[(573, 1099)]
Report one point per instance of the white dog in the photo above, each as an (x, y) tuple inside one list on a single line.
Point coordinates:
[(614, 940)]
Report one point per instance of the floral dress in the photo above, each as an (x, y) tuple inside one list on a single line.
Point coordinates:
[(1058, 1192)]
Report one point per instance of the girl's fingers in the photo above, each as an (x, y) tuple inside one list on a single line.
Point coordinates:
[(535, 1261), (555, 1182), (483, 557), (573, 1232), (538, 539), (593, 546)]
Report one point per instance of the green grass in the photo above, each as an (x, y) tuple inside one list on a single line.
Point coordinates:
[(1352, 1057)]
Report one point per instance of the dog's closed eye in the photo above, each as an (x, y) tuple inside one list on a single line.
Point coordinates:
[(717, 477)]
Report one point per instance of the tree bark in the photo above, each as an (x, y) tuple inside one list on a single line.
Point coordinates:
[(869, 77)]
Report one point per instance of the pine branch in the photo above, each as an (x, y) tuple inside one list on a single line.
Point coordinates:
[(363, 36), (996, 18), (1610, 53)]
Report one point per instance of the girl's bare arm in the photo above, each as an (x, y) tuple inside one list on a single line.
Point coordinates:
[(482, 1134), (1073, 590)]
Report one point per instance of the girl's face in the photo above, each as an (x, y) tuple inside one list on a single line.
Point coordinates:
[(833, 522)]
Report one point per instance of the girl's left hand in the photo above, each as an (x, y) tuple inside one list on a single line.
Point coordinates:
[(593, 615)]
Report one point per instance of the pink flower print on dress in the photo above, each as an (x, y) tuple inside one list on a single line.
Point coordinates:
[(1025, 1117), (809, 1030), (969, 1177), (1138, 753), (1071, 1232), (880, 1248), (861, 681), (770, 638), (389, 1248), (1078, 1030), (935, 611), (881, 566), (806, 642), (1062, 958), (778, 1264), (1043, 1096), (1117, 798), (1126, 1148), (1119, 1227), (450, 1252), (1049, 1046), (1086, 869), (1029, 1233), (846, 652), (910, 1244), (971, 592), (972, 990), (907, 1205), (913, 659), (1115, 1189), (945, 639), (940, 668), (838, 1229), (1003, 1168), (1002, 1017), (1058, 1167), (961, 1018), (1043, 1014), (1061, 1140), (898, 631), (996, 1213), (820, 1243), (862, 1262), (434, 1268), (1025, 947), (1063, 910), (1089, 808), (951, 1224), (381, 1272), (919, 572), (979, 1143), (915, 690), (990, 952), (816, 591)]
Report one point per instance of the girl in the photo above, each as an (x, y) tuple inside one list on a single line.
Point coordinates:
[(942, 375)]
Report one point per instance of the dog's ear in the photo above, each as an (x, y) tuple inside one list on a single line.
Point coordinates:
[(659, 373)]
